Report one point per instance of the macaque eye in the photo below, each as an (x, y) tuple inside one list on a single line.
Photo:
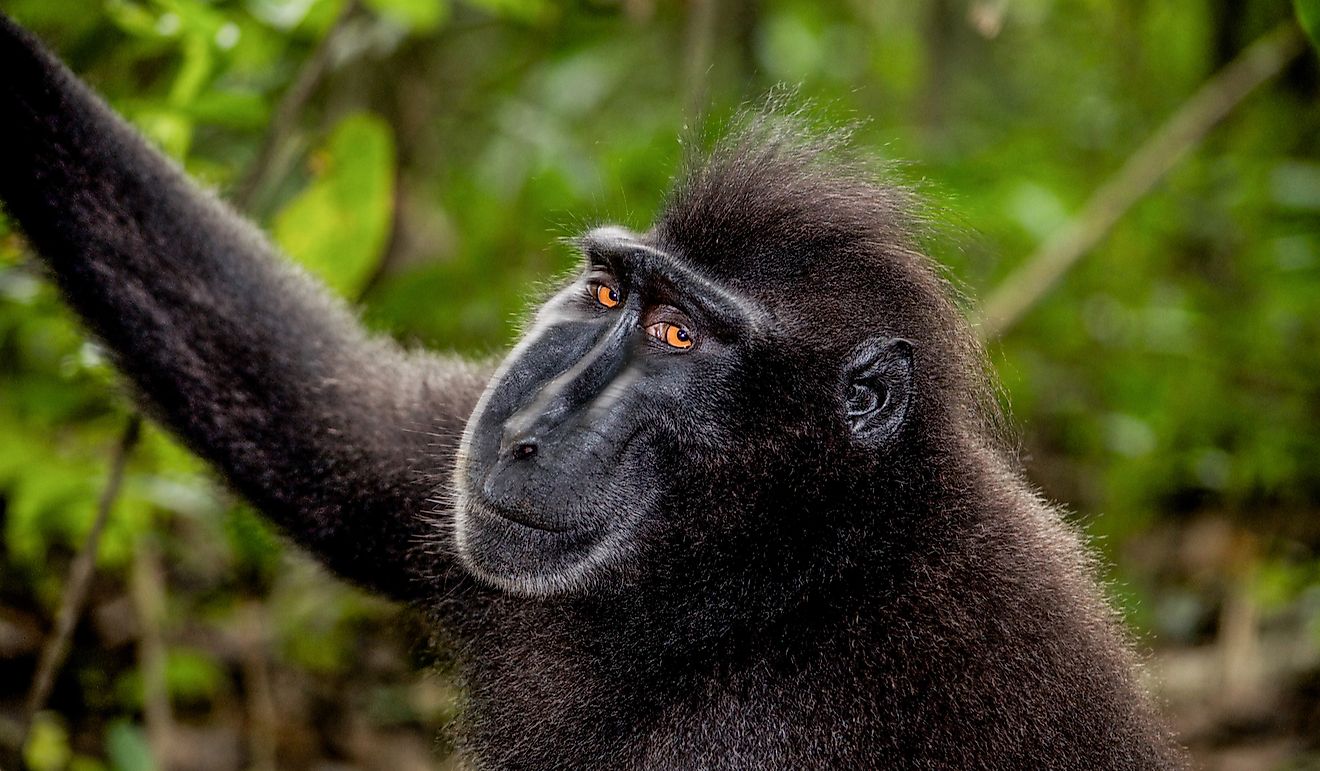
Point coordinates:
[(605, 295), (671, 335)]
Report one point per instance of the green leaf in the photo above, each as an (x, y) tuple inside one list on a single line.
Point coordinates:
[(190, 676), (1308, 13), (519, 10), (316, 15), (337, 227), (47, 747), (127, 748), (231, 109), (84, 763), (256, 550), (416, 15), (133, 19)]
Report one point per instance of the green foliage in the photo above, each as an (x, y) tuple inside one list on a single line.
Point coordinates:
[(518, 10), (420, 16), (1171, 378), (127, 748), (338, 225), (48, 744), (191, 676), (1308, 13)]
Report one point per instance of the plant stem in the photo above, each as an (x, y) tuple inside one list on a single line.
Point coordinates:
[(1260, 62), (56, 648)]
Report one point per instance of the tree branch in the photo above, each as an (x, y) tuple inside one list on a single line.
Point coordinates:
[(699, 36), (147, 588), (1260, 62), (267, 164), (56, 648)]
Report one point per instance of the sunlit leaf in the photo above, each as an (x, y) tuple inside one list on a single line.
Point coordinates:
[(132, 18), (256, 549), (416, 15), (190, 675), (232, 109), (1308, 13), (522, 10), (167, 128), (337, 227), (47, 747), (127, 749), (85, 763), (284, 14), (195, 70)]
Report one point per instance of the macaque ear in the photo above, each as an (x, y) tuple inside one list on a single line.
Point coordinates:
[(878, 389)]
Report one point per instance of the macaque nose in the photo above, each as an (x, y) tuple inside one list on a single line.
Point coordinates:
[(524, 449)]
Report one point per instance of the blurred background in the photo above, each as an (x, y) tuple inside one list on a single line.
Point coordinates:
[(1130, 190)]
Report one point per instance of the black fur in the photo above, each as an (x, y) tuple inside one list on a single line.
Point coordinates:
[(243, 356), (802, 585)]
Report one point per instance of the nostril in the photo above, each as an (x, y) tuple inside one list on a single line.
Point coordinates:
[(524, 449)]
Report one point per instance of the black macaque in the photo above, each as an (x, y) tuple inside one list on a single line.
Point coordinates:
[(736, 500)]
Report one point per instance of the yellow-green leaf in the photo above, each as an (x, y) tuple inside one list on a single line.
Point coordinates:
[(1308, 13), (338, 226), (416, 15)]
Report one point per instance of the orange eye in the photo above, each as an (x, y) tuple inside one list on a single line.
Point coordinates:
[(607, 295), (671, 335)]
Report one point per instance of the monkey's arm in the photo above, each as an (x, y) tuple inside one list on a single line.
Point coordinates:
[(339, 438)]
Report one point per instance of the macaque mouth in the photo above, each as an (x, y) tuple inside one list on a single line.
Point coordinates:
[(484, 508)]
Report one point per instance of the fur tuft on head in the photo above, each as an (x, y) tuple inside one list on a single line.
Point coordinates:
[(791, 215), (774, 192)]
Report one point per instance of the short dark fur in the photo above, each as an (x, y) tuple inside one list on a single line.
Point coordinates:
[(807, 594)]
